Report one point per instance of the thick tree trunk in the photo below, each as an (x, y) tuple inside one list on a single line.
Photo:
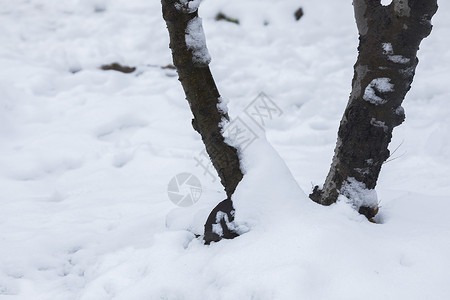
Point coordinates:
[(389, 37), (191, 58)]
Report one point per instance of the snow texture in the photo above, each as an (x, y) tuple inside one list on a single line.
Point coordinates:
[(377, 85), (195, 41), (399, 59), (223, 108), (377, 123), (222, 105), (188, 6), (389, 51), (358, 194), (86, 157), (387, 48), (217, 229)]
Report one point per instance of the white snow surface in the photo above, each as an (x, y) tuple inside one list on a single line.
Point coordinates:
[(195, 40), (86, 156)]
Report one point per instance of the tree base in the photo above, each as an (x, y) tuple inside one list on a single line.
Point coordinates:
[(219, 225), (368, 212)]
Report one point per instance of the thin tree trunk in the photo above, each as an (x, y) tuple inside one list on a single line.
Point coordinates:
[(191, 59), (389, 37)]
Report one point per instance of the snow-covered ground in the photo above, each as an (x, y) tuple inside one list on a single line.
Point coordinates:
[(86, 156)]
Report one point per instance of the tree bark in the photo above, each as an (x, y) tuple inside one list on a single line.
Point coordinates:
[(191, 62), (389, 37)]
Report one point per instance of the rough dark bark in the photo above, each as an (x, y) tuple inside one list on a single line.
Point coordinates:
[(219, 223), (203, 97), (389, 37)]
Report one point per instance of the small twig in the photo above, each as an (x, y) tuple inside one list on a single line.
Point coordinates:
[(393, 152), (394, 157), (118, 67), (221, 16)]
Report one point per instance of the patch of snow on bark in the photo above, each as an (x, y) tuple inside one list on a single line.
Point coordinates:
[(399, 59), (387, 48), (358, 194), (188, 6), (381, 85), (195, 41), (376, 123), (223, 108), (222, 105), (217, 229), (389, 51)]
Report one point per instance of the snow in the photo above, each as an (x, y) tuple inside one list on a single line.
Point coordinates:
[(380, 85), (357, 194), (388, 49), (399, 59), (86, 157), (377, 123), (195, 41), (188, 6), (217, 228), (222, 105)]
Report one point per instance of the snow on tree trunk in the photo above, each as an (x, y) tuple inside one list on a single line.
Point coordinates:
[(191, 58), (389, 37)]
